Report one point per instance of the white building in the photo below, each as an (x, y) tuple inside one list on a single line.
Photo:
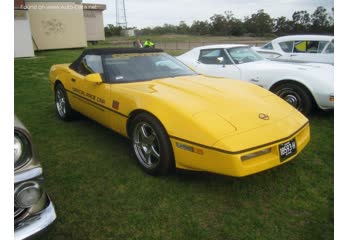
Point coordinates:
[(22, 33), (93, 16)]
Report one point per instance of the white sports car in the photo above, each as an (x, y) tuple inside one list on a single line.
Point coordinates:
[(299, 48), (301, 85)]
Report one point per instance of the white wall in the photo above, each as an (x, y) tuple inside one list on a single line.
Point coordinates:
[(23, 35), (57, 25), (94, 25)]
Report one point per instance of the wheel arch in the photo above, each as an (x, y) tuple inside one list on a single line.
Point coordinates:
[(57, 82), (136, 112), (285, 81)]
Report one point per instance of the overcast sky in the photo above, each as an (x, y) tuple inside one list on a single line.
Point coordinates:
[(152, 13)]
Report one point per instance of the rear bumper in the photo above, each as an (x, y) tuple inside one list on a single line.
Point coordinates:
[(36, 224), (231, 164)]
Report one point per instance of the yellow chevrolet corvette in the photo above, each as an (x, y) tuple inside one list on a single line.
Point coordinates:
[(177, 118)]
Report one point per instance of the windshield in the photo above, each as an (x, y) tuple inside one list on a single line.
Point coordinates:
[(244, 55), (143, 66)]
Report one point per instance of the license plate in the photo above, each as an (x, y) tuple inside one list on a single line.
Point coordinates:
[(287, 149)]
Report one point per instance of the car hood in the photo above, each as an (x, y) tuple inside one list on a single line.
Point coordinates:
[(217, 107)]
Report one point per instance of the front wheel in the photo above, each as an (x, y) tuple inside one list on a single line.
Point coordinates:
[(63, 108), (151, 145), (295, 95)]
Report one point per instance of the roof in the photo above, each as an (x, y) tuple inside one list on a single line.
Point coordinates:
[(110, 51), (304, 37), (94, 6)]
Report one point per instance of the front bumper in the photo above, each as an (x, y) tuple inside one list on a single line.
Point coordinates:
[(36, 224), (37, 217), (225, 163)]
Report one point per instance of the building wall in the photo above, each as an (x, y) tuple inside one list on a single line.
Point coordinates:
[(57, 25), (23, 37), (94, 25)]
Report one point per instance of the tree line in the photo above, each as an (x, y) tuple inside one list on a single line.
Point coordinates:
[(259, 24)]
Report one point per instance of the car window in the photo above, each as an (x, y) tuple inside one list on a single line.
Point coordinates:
[(321, 46), (210, 56), (244, 55), (309, 46), (121, 68), (287, 46), (330, 48), (90, 64), (268, 46)]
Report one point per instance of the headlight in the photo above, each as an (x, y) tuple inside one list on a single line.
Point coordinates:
[(21, 150), (28, 194)]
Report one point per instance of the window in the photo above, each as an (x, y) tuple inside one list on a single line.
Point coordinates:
[(90, 64), (330, 48), (210, 56), (321, 46), (268, 46), (309, 46), (121, 68), (287, 46), (244, 55)]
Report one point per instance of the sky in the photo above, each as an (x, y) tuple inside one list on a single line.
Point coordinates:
[(152, 13)]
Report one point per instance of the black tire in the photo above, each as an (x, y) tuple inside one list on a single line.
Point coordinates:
[(151, 145), (63, 108), (296, 95)]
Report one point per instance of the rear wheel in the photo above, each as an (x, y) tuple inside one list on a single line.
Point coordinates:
[(63, 108), (151, 145), (296, 95)]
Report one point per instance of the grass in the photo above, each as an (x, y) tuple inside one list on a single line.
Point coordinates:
[(100, 192)]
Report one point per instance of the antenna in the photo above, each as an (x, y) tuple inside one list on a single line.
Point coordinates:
[(120, 13)]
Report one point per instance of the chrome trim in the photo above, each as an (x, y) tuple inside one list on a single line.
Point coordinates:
[(29, 174), (36, 223)]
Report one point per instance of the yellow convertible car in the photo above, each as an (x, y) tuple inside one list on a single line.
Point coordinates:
[(177, 118)]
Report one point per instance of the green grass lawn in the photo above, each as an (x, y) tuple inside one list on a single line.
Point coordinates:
[(100, 192)]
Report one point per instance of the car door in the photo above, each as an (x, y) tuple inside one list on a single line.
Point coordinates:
[(89, 98), (215, 62)]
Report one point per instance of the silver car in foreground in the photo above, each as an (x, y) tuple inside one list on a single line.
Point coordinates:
[(33, 209)]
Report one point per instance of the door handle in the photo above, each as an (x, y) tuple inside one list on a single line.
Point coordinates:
[(73, 79), (293, 55)]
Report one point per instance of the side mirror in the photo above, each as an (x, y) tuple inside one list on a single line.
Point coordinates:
[(94, 78), (220, 60)]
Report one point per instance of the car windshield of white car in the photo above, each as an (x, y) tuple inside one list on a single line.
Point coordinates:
[(244, 55), (121, 68)]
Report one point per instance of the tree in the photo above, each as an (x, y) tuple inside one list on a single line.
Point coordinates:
[(234, 25), (259, 23), (218, 25), (301, 21), (320, 21), (282, 26), (111, 30), (183, 28), (200, 28)]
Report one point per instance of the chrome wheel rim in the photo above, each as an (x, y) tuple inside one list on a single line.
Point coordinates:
[(60, 103), (291, 97), (146, 145)]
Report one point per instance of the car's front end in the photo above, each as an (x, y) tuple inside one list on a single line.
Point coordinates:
[(33, 209)]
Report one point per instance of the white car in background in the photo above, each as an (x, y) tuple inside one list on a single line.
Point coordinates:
[(301, 85), (299, 48)]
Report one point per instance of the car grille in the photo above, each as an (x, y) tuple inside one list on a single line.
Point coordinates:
[(18, 212)]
